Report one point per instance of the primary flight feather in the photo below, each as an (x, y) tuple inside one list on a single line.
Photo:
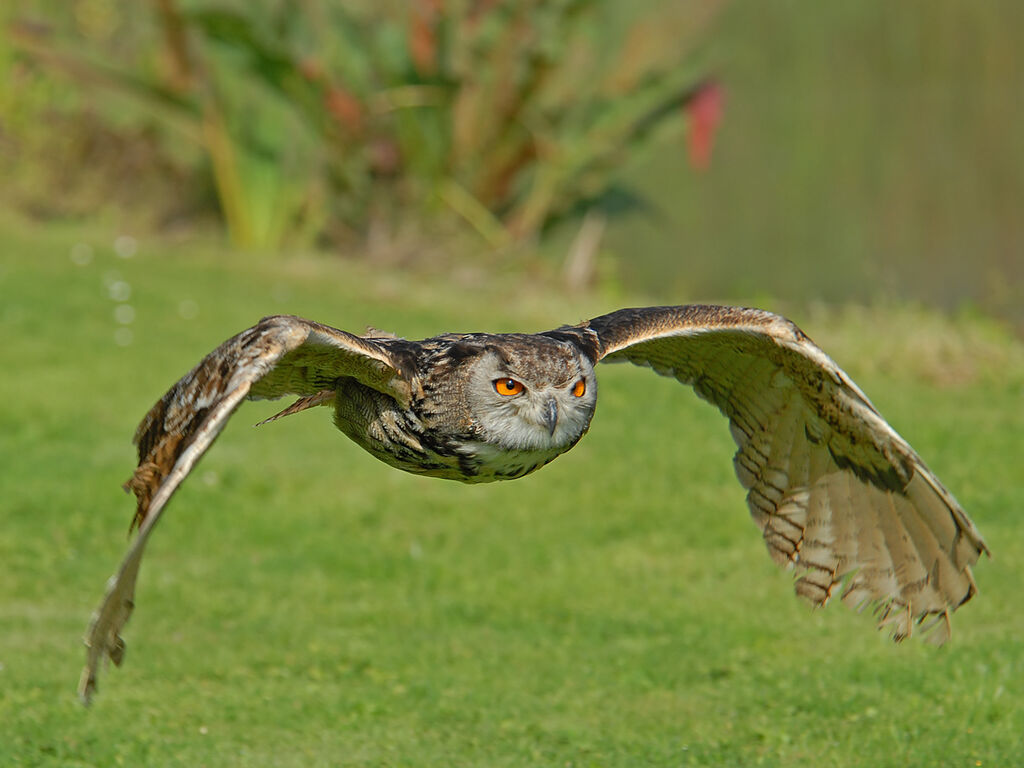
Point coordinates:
[(836, 492)]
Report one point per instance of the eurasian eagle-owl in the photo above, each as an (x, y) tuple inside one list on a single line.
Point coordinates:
[(836, 492)]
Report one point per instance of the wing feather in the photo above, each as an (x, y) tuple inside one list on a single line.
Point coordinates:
[(837, 493), (103, 638), (280, 355)]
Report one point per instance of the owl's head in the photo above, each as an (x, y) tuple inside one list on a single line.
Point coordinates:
[(530, 393)]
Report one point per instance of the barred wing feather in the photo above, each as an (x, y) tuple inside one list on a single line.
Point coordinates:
[(280, 355), (836, 492)]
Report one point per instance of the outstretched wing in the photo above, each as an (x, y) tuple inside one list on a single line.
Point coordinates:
[(837, 493), (279, 356)]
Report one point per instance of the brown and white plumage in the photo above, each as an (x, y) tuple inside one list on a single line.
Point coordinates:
[(837, 493)]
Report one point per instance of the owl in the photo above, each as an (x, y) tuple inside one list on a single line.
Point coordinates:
[(838, 495)]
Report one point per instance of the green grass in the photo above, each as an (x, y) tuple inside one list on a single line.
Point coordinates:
[(304, 605)]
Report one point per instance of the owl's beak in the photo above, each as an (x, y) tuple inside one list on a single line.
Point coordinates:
[(549, 417)]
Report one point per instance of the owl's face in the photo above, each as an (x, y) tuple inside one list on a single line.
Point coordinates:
[(532, 397)]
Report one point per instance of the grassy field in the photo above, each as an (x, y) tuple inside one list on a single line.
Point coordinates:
[(305, 605)]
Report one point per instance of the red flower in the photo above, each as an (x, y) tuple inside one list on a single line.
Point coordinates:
[(345, 109), (704, 109)]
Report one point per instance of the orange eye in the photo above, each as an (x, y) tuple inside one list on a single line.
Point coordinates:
[(580, 388), (508, 387)]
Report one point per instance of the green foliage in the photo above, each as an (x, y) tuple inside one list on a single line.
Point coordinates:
[(302, 604), (321, 117)]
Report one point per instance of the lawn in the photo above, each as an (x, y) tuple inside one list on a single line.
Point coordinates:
[(305, 605)]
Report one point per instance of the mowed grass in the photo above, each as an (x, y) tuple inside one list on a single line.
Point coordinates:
[(304, 605)]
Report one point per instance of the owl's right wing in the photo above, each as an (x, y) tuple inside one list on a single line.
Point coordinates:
[(281, 355), (837, 493)]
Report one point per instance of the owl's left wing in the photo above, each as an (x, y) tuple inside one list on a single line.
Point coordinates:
[(837, 493), (278, 356)]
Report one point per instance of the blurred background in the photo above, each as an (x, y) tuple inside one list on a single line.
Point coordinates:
[(793, 152)]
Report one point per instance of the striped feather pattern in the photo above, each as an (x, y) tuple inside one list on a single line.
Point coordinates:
[(838, 495)]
